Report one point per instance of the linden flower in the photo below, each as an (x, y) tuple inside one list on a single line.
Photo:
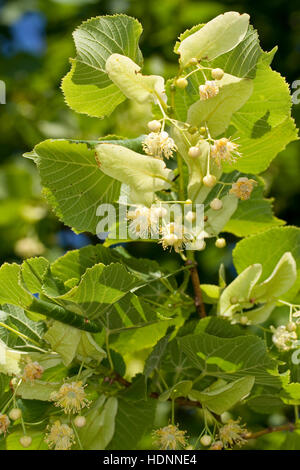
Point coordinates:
[(145, 221), (232, 433), (283, 339), (173, 235), (60, 436), (4, 423), (32, 371), (71, 397), (159, 145), (208, 90), (170, 437), (243, 188), (224, 150)]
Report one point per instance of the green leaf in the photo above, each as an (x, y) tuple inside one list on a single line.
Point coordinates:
[(15, 318), (239, 291), (218, 36), (99, 286), (64, 340), (13, 440), (253, 215), (100, 424), (87, 87), (291, 394), (145, 175), (242, 60), (32, 273), (211, 293), (39, 390), (10, 290), (217, 111), (154, 359), (231, 358), (268, 106), (138, 417), (291, 441), (72, 179), (224, 397), (264, 124), (258, 153), (265, 404), (126, 75), (88, 349), (267, 248), (217, 326)]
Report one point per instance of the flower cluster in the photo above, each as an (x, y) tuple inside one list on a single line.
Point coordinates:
[(60, 436), (174, 235), (283, 338), (32, 371), (243, 188), (145, 221), (170, 437), (224, 151), (4, 423), (232, 433), (159, 145), (71, 397), (208, 90)]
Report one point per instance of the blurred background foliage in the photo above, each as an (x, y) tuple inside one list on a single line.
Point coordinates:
[(35, 44)]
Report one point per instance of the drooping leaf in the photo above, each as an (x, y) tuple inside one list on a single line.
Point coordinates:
[(218, 36), (280, 281), (100, 424), (224, 397), (64, 340), (125, 73), (130, 416), (267, 248), (239, 291), (145, 175), (180, 389)]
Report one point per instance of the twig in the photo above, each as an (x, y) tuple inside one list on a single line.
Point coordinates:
[(283, 427), (186, 402), (198, 299)]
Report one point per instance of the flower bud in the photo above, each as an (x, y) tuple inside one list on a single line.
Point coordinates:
[(25, 441), (15, 414), (194, 152), (193, 61), (220, 243), (154, 126), (216, 204), (209, 181), (181, 83), (206, 440), (244, 320), (291, 326), (217, 74), (80, 421), (190, 216)]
